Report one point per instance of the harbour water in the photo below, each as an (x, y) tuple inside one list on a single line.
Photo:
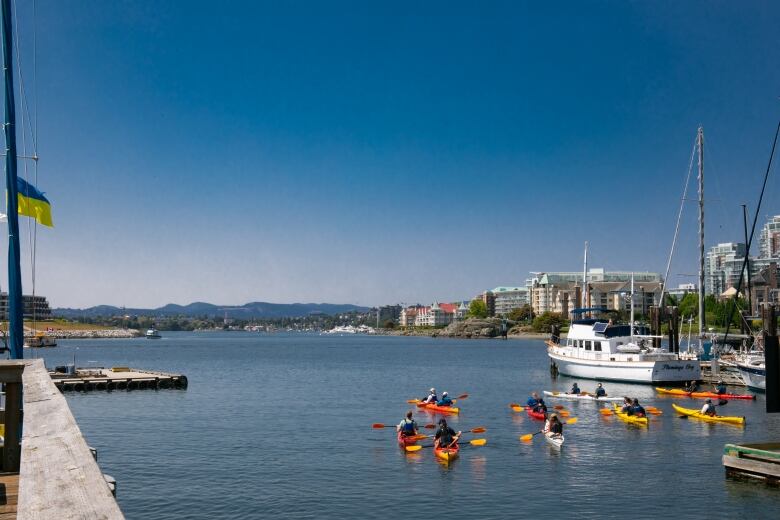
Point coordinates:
[(279, 426)]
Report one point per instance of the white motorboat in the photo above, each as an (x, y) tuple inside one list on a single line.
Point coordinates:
[(153, 334), (752, 368), (597, 349)]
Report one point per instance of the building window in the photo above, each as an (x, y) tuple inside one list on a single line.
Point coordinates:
[(588, 345)]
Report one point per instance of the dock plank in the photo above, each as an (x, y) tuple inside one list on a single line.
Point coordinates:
[(58, 477)]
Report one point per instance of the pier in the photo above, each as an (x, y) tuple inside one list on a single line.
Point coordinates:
[(51, 473), (755, 461), (115, 378)]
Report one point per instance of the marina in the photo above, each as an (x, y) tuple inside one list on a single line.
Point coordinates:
[(287, 369)]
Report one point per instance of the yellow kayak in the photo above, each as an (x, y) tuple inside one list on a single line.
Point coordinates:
[(673, 391), (631, 419), (740, 421)]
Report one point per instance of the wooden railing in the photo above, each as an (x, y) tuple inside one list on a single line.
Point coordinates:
[(58, 476)]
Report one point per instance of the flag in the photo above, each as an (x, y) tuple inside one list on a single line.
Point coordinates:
[(32, 203)]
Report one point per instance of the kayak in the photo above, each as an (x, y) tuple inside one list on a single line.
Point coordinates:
[(406, 440), (631, 419), (673, 391), (540, 416), (555, 439), (713, 395), (584, 396), (447, 454), (436, 408), (740, 421), (699, 395)]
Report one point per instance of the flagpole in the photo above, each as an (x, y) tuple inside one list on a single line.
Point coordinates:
[(15, 303)]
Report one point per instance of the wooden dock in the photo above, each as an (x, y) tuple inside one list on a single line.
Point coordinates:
[(755, 461), (720, 372), (115, 378), (9, 495), (51, 473)]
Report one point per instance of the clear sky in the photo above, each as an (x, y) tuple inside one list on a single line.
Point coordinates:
[(353, 153)]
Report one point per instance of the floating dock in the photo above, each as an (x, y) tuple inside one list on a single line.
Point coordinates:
[(755, 461), (116, 378), (712, 372)]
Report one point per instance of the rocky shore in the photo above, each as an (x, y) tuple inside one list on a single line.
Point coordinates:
[(93, 333), (471, 328)]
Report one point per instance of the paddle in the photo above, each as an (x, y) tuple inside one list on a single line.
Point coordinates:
[(380, 425), (606, 411), (475, 442), (559, 407)]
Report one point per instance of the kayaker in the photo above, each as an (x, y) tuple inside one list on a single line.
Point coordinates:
[(432, 397), (721, 388), (708, 408), (407, 426), (575, 389), (693, 386), (627, 404), (445, 436), (636, 409), (536, 403), (445, 400), (556, 427), (600, 392)]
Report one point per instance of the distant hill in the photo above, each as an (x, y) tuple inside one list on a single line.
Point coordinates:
[(251, 310)]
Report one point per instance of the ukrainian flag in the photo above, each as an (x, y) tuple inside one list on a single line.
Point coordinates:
[(32, 203)]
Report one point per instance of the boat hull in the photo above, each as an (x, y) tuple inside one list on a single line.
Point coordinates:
[(539, 416), (647, 372), (754, 377)]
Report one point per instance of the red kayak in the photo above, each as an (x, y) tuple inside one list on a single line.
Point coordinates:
[(447, 454), (713, 395), (541, 416), (406, 440)]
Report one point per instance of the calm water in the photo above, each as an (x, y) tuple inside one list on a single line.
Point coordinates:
[(277, 425)]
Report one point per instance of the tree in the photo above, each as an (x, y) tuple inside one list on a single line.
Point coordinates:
[(689, 305), (544, 322), (478, 309), (524, 313)]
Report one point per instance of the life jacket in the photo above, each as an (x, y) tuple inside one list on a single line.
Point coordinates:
[(445, 401), (407, 427), (556, 427), (445, 436)]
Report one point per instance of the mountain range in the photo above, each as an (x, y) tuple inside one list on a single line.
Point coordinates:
[(252, 310)]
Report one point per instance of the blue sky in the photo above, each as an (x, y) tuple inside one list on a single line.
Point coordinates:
[(371, 154)]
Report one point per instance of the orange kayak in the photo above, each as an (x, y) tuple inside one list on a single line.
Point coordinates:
[(447, 454), (673, 391), (436, 408)]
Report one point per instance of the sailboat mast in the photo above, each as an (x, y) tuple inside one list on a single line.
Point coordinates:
[(632, 307), (702, 316), (585, 277), (15, 304)]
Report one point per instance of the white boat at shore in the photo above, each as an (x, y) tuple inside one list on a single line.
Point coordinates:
[(581, 397), (596, 349), (752, 368), (153, 334)]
